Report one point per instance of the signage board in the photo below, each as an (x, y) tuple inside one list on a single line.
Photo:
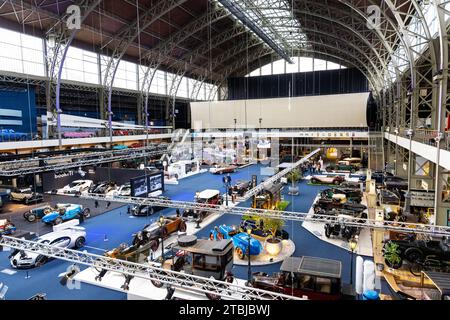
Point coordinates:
[(142, 186)]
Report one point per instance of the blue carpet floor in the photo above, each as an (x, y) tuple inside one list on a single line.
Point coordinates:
[(112, 228)]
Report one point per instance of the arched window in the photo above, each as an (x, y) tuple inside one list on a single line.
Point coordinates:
[(301, 64)]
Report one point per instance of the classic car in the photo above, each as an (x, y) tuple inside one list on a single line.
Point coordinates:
[(201, 257), (11, 135), (6, 227), (26, 196), (241, 187), (223, 169), (147, 210), (73, 237), (76, 187), (120, 133), (351, 195), (414, 250), (154, 231), (102, 187), (37, 213), (78, 134), (136, 145), (395, 183), (328, 204), (258, 231), (336, 180), (66, 212), (351, 160), (119, 147), (123, 190), (340, 231), (341, 166), (206, 197), (393, 197), (240, 240), (311, 277)]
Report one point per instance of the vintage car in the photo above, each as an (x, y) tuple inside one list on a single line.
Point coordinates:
[(350, 194), (414, 250), (102, 187), (11, 135), (341, 166), (37, 213), (393, 197), (341, 231), (119, 147), (154, 231), (25, 196), (223, 169), (207, 197), (78, 134), (124, 190), (328, 204), (241, 187), (240, 240), (201, 257), (147, 210), (73, 237), (336, 180), (311, 277), (136, 145), (257, 228), (6, 227), (120, 133), (65, 212), (393, 182), (76, 187)]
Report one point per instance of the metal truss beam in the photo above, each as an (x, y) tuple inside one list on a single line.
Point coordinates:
[(150, 271)]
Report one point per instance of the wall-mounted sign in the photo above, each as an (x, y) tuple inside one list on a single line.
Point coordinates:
[(425, 185), (63, 174)]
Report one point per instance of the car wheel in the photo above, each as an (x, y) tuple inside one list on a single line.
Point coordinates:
[(31, 217), (87, 212), (413, 254), (40, 260), (154, 245), (314, 180), (240, 253), (57, 221), (157, 284), (80, 242), (352, 171), (336, 182), (182, 226), (327, 231)]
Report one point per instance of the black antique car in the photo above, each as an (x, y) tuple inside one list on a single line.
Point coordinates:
[(351, 195), (154, 231), (414, 250), (340, 231), (147, 210), (258, 231), (393, 182), (328, 204), (241, 187), (311, 277)]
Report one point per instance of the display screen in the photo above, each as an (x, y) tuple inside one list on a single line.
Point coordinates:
[(155, 182), (142, 186)]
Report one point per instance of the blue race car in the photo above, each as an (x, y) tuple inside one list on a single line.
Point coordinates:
[(240, 240), (11, 135), (65, 212)]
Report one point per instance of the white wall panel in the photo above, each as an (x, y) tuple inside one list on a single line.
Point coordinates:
[(330, 111)]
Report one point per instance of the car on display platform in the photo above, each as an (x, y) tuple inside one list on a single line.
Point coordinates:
[(241, 187), (148, 210), (328, 204), (77, 187), (351, 195), (207, 197), (341, 166), (311, 277), (391, 197), (394, 182), (223, 169), (124, 190), (11, 135), (240, 240), (26, 196), (71, 238), (65, 212), (257, 228), (7, 227), (102, 187), (339, 230), (336, 180), (413, 250), (37, 213), (154, 231)]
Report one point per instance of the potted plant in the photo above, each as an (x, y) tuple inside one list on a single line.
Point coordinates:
[(293, 178), (273, 245), (391, 253)]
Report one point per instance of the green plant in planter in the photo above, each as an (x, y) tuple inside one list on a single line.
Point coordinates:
[(294, 175), (272, 225), (282, 205), (391, 253)]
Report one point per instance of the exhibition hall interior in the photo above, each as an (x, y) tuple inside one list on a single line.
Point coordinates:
[(224, 150)]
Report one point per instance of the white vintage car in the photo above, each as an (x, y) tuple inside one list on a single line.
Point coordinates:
[(124, 190), (73, 237), (77, 186)]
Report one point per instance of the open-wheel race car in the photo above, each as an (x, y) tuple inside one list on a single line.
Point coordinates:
[(37, 213), (65, 212), (315, 278), (257, 229), (240, 240), (329, 179)]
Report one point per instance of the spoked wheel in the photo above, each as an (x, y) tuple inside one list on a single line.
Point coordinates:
[(182, 227), (416, 269), (240, 253)]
